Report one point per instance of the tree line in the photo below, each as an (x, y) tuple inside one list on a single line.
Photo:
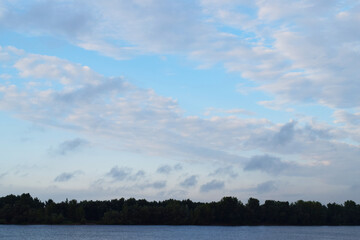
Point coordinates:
[(24, 209)]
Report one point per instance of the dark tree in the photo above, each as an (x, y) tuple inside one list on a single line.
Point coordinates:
[(24, 209)]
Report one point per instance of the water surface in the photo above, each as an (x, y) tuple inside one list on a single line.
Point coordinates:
[(97, 232)]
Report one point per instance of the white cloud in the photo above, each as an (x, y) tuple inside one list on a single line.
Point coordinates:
[(53, 68), (49, 17), (236, 111), (5, 76), (300, 51), (306, 51), (138, 120), (350, 122), (342, 116), (113, 108)]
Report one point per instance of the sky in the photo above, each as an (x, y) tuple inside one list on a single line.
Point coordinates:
[(162, 99)]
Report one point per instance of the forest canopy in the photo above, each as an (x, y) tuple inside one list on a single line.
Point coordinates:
[(24, 209)]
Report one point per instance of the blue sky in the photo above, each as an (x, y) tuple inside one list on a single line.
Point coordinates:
[(164, 99)]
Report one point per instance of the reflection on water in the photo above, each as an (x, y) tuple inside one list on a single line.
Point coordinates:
[(177, 232)]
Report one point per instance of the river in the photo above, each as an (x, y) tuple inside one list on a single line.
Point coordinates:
[(56, 232)]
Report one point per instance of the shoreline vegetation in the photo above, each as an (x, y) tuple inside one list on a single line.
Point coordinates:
[(229, 211)]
